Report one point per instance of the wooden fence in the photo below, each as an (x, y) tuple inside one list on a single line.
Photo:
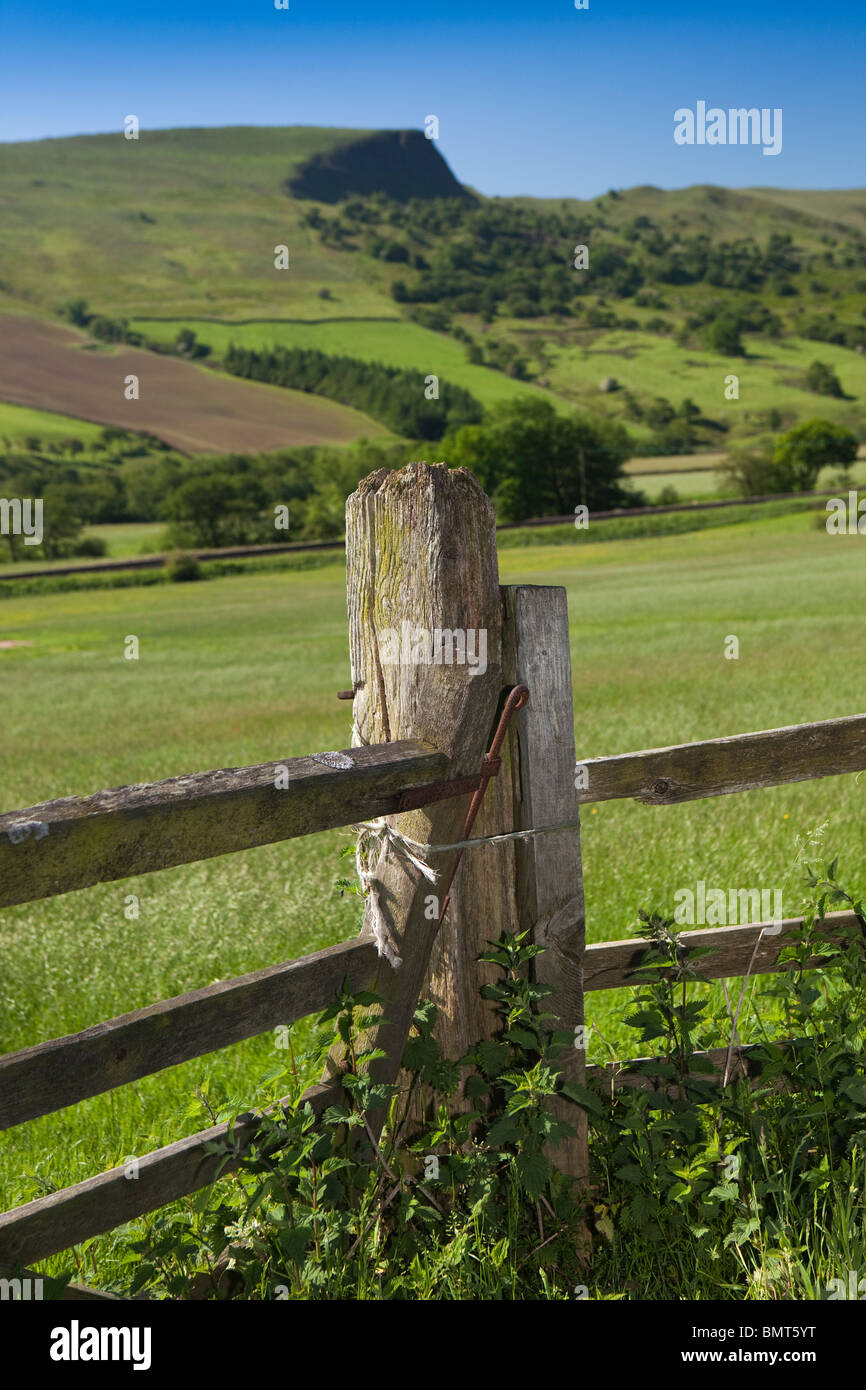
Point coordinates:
[(420, 551)]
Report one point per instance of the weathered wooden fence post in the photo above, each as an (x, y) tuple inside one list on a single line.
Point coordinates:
[(549, 878), (421, 561)]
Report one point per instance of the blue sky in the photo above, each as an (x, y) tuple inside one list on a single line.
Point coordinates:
[(536, 98)]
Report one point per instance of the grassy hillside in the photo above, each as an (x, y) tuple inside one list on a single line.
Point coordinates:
[(178, 222), (726, 213), (186, 220), (770, 378), (178, 229)]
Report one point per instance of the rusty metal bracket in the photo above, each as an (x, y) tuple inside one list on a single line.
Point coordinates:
[(419, 797), (490, 766)]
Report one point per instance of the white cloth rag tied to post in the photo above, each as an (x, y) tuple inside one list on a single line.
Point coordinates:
[(375, 838), (378, 836)]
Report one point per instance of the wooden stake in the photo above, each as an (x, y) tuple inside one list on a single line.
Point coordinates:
[(549, 875), (421, 560)]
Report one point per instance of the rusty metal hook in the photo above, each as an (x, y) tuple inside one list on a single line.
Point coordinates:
[(490, 765)]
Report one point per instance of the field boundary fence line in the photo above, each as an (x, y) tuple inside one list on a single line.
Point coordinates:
[(420, 540)]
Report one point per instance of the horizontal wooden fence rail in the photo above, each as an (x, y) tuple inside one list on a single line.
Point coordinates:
[(39, 1080), (719, 766), (44, 1227), (742, 1062), (610, 964), (78, 841)]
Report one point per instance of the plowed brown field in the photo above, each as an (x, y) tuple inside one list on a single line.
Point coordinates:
[(48, 366)]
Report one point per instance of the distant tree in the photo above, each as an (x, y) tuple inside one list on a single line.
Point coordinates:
[(185, 341), (108, 330), (187, 345), (794, 462), (535, 461), (75, 311), (722, 335), (823, 380), (802, 452), (678, 436), (216, 509), (659, 412), (61, 519), (91, 547), (522, 308), (751, 472)]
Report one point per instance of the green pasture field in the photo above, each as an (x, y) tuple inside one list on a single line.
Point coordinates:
[(691, 486), (17, 422), (245, 669), (122, 538), (769, 377), (697, 485), (667, 463), (703, 486), (133, 538), (394, 342)]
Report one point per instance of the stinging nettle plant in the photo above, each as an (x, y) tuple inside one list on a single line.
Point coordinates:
[(753, 1189)]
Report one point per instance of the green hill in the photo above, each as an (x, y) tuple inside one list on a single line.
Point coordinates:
[(178, 222), (392, 260)]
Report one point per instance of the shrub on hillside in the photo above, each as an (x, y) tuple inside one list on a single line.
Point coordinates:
[(182, 568), (75, 311), (752, 472), (823, 380), (91, 546), (722, 335)]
